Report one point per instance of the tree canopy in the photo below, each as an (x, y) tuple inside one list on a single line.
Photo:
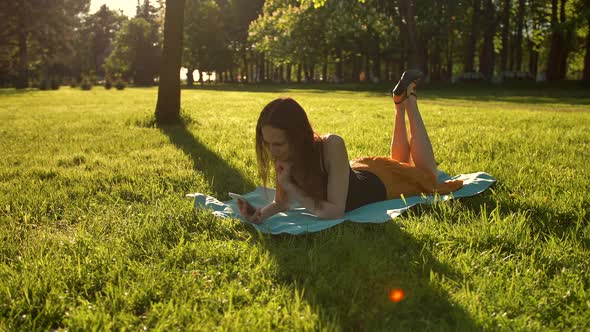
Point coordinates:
[(306, 40)]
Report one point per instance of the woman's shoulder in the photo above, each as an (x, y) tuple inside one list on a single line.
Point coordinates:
[(335, 155), (333, 143), (332, 139)]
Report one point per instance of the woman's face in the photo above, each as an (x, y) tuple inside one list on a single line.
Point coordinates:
[(276, 140)]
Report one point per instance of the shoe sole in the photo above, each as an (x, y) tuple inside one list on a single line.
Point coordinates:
[(408, 77)]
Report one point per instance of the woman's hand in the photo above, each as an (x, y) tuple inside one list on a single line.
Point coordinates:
[(283, 170), (251, 213)]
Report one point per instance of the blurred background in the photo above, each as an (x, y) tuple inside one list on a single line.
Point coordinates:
[(47, 43)]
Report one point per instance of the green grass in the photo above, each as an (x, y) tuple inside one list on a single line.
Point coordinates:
[(96, 232)]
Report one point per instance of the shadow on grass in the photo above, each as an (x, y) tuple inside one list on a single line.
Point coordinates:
[(521, 92), (286, 88), (548, 219), (222, 177), (348, 272), (569, 93), (544, 220), (13, 91)]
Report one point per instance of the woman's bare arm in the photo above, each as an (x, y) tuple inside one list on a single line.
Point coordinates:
[(280, 204), (258, 215), (337, 166)]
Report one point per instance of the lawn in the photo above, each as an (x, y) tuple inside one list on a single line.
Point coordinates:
[(96, 232)]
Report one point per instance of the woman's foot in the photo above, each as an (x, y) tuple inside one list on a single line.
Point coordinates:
[(403, 88), (410, 94)]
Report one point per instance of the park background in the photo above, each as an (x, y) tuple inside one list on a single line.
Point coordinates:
[(96, 232), (47, 43)]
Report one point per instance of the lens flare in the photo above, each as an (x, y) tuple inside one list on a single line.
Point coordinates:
[(396, 295)]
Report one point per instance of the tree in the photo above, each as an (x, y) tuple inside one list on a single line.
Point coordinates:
[(586, 74), (519, 31), (39, 35), (148, 46), (135, 52), (240, 15), (471, 41), (128, 44), (206, 45), (486, 56), (416, 58), (290, 33), (98, 36), (168, 104), (559, 48), (343, 29), (505, 30)]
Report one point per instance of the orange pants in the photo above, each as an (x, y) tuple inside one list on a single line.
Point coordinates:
[(402, 178)]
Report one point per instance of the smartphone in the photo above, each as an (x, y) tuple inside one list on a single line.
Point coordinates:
[(249, 208)]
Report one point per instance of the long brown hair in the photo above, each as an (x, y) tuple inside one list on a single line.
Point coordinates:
[(304, 145)]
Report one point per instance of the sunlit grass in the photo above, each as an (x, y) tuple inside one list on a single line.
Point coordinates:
[(95, 231)]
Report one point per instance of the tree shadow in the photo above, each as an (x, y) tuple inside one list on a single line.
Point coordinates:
[(547, 219), (522, 92), (542, 94), (13, 91), (347, 274), (316, 87), (222, 177), (543, 222)]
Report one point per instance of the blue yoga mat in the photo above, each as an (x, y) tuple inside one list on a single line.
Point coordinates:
[(299, 220)]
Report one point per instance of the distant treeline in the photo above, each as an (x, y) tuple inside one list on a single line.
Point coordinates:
[(46, 43)]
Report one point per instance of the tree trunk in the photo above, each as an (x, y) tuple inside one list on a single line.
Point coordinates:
[(566, 37), (201, 74), (486, 66), (533, 59), (261, 68), (22, 80), (325, 70), (554, 49), (435, 67), (189, 76), (586, 74), (473, 36), (245, 64), (449, 70), (425, 66), (288, 76), (401, 65), (416, 55), (339, 61), (168, 104), (367, 68), (298, 73), (355, 68), (520, 26), (505, 30), (449, 41), (377, 68)]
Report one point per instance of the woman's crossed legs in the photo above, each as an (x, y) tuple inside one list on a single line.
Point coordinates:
[(418, 149)]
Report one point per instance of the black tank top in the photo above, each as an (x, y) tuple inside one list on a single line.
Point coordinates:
[(364, 187)]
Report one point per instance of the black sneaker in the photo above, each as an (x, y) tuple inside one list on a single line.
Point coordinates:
[(409, 76)]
